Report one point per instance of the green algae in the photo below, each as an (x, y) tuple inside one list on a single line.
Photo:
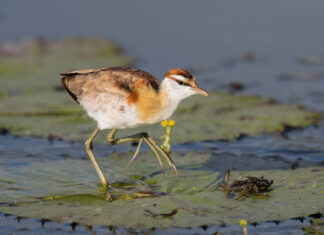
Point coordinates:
[(67, 190)]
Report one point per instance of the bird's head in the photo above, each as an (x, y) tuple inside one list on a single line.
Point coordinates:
[(182, 83)]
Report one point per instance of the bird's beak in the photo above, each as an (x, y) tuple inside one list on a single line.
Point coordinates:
[(200, 91)]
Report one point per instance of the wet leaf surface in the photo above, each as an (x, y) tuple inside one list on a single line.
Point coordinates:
[(66, 190)]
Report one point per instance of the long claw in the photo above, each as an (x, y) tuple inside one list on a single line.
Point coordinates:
[(134, 156), (151, 143), (167, 157), (156, 154)]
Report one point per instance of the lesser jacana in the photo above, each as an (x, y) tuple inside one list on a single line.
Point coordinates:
[(120, 97)]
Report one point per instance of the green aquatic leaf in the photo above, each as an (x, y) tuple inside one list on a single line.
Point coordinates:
[(66, 190), (34, 103), (316, 227)]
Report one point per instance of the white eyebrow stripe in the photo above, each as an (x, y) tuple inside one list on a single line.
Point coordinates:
[(178, 77)]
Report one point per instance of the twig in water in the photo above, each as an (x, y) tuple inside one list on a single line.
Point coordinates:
[(172, 213)]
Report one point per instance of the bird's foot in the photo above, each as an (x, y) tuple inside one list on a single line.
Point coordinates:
[(104, 191), (129, 190)]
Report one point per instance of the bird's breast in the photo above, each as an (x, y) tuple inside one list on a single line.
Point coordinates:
[(149, 104)]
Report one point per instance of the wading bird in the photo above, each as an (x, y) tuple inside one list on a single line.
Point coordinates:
[(120, 97)]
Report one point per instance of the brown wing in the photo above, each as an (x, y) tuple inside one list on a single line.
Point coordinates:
[(119, 79)]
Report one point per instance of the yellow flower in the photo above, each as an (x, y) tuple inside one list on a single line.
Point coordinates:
[(164, 123), (243, 222), (168, 124), (171, 123)]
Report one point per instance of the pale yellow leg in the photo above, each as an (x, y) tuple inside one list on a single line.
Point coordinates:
[(88, 146)]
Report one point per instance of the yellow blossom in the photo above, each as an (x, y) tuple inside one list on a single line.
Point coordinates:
[(243, 222), (171, 123), (164, 123), (168, 124)]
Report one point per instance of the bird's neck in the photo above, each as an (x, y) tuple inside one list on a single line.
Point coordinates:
[(171, 96), (155, 106)]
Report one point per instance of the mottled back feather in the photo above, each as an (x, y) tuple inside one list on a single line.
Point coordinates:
[(116, 80)]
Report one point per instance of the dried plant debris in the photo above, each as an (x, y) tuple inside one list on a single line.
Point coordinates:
[(163, 215), (250, 187)]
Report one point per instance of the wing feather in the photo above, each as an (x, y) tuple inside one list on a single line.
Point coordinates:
[(115, 79)]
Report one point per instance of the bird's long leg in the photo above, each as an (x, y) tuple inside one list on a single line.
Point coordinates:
[(88, 146), (151, 143)]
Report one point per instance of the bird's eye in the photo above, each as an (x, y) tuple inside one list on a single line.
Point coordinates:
[(181, 83)]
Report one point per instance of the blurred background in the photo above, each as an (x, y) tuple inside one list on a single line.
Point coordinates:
[(270, 48)]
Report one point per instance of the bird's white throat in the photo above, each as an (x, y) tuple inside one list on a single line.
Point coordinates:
[(173, 94)]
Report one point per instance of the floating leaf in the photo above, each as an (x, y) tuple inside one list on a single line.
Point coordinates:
[(34, 103), (316, 227), (67, 190)]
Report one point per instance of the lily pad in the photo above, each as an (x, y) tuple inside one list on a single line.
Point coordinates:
[(316, 227), (220, 116), (32, 101), (66, 189)]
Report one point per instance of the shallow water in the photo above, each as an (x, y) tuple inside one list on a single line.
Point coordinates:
[(294, 145), (37, 226), (256, 44)]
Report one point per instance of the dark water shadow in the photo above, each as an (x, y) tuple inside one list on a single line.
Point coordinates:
[(11, 224)]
